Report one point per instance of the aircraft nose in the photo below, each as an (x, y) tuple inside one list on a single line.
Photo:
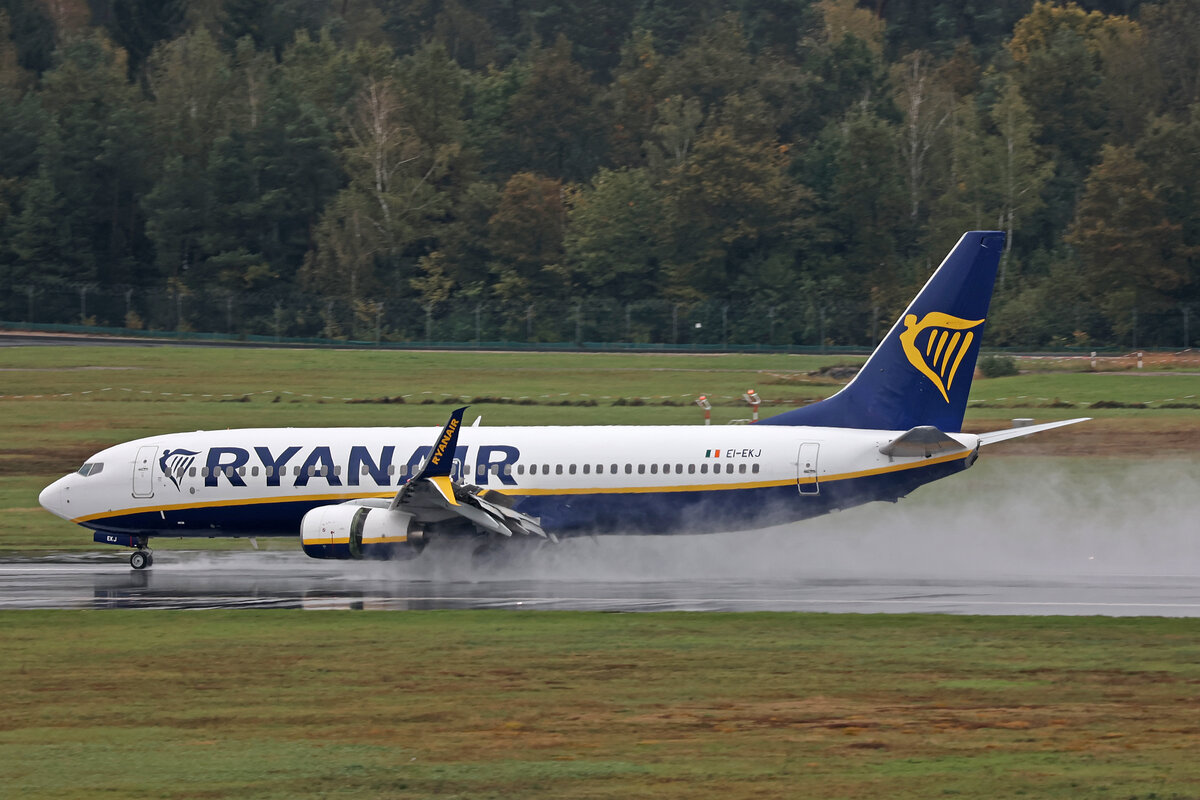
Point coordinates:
[(54, 498)]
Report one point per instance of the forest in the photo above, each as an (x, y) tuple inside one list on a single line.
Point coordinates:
[(683, 172)]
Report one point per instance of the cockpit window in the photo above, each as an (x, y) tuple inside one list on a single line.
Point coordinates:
[(91, 468)]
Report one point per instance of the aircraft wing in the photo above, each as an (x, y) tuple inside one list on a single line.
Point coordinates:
[(432, 495), (992, 437)]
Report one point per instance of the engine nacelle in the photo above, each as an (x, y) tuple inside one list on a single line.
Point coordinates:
[(353, 531)]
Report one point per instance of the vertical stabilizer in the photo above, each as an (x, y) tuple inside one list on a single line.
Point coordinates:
[(920, 374)]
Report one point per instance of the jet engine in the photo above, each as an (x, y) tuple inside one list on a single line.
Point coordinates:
[(360, 531)]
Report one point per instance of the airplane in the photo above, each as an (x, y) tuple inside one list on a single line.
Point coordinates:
[(352, 493)]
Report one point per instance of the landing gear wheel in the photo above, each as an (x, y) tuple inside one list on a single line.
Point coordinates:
[(141, 559)]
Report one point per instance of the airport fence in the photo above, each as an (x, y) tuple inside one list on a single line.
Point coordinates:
[(803, 324)]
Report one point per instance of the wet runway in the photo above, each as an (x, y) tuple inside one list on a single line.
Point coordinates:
[(184, 580), (1037, 537)]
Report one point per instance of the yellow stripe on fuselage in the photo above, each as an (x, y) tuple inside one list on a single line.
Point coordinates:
[(532, 492)]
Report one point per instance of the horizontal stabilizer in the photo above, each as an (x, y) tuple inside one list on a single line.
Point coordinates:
[(992, 437), (924, 440)]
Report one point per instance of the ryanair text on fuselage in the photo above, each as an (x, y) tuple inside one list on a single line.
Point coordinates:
[(295, 466)]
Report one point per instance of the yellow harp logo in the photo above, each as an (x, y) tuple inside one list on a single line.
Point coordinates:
[(936, 346)]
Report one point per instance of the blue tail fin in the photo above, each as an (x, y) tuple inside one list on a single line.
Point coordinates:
[(921, 372)]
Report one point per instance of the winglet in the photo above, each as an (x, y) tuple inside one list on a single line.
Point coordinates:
[(441, 458), (445, 488)]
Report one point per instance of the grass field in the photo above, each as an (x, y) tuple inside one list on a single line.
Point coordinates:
[(570, 705)]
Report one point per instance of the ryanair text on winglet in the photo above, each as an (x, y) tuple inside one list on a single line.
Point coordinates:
[(451, 427)]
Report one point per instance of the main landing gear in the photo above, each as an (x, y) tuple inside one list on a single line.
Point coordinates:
[(142, 557)]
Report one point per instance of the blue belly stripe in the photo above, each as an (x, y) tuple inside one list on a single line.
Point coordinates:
[(575, 514)]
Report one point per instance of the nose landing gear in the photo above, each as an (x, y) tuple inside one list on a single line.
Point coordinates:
[(142, 557)]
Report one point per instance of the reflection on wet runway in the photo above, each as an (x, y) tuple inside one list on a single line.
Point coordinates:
[(275, 580)]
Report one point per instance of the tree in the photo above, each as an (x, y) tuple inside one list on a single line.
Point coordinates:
[(1020, 170), (525, 237), (730, 202), (1132, 87), (192, 85), (676, 128), (95, 159), (927, 106), (633, 98), (867, 195), (139, 25), (1168, 149), (1171, 27), (614, 236), (714, 65), (1133, 256), (391, 193), (552, 116)]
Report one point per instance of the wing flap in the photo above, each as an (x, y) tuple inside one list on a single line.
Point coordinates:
[(432, 495)]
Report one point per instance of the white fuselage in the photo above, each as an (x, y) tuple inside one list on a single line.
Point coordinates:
[(659, 479)]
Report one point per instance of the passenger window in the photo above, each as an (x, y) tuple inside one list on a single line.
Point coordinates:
[(365, 470), (254, 472), (204, 472), (296, 470), (241, 471), (270, 471), (691, 469), (337, 470), (520, 469), (614, 469), (599, 469), (192, 471), (629, 469), (754, 468), (558, 469), (391, 469), (742, 469), (587, 469), (679, 469), (403, 470), (508, 469), (571, 469), (653, 469), (480, 469), (704, 469), (641, 469), (729, 469)]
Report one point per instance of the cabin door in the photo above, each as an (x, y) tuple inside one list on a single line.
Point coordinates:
[(806, 469), (143, 471)]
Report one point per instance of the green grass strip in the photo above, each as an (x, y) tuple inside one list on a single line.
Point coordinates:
[(485, 704)]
